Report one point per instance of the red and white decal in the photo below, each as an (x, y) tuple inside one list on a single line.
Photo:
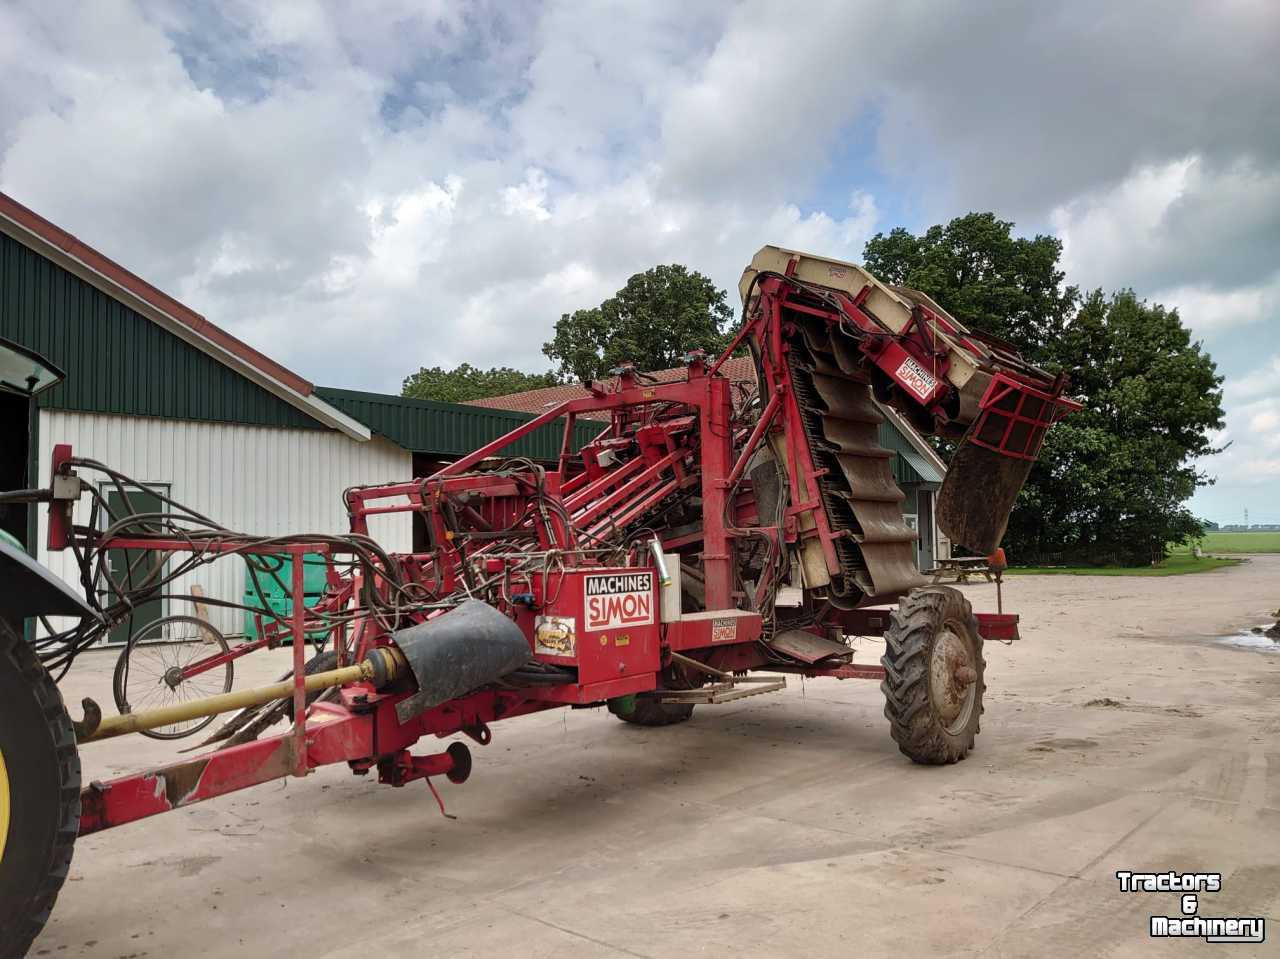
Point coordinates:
[(916, 378), (615, 600), (724, 630)]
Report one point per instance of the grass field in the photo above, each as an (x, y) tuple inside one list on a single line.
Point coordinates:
[(1215, 542), (1180, 561), (1178, 564)]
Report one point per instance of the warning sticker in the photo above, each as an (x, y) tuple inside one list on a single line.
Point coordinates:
[(614, 600), (553, 636), (916, 378)]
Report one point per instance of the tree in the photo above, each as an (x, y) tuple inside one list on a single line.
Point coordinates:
[(466, 382), (654, 320), (1112, 481), (984, 276)]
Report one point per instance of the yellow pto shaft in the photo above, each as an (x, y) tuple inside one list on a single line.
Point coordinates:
[(381, 666)]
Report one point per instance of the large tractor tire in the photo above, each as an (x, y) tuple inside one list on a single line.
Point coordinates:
[(934, 671), (39, 794)]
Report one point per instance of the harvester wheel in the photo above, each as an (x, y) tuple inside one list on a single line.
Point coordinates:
[(39, 794), (643, 709), (933, 681)]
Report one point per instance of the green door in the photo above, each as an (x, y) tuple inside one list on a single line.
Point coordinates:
[(119, 561)]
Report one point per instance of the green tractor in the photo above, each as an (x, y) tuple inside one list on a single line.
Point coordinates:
[(39, 764)]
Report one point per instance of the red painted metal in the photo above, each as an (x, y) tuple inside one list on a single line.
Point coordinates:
[(1015, 417), (59, 512), (299, 649), (998, 626), (221, 659), (537, 545), (843, 671), (709, 630)]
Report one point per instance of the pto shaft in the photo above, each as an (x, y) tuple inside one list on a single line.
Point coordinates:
[(380, 667)]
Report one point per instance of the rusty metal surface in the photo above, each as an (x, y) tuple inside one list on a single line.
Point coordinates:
[(977, 495), (737, 687), (808, 648)]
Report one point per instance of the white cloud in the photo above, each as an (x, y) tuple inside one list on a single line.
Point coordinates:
[(1208, 238), (1204, 309), (359, 191), (1263, 469), (1099, 229), (1249, 466), (1265, 423), (354, 249), (1264, 379), (529, 198)]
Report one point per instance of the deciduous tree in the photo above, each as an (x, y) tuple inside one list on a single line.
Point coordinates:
[(1113, 480), (466, 382), (660, 315)]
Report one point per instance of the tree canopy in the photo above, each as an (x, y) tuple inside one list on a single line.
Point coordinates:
[(1113, 480), (660, 315), (466, 382), (977, 270)]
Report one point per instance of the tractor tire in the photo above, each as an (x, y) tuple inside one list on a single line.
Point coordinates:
[(934, 676), (643, 710), (39, 794)]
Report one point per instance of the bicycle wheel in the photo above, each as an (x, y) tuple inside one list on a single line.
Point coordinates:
[(155, 670)]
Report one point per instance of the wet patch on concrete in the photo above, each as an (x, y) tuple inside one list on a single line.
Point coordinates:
[(1265, 638), (1106, 702), (1053, 745)]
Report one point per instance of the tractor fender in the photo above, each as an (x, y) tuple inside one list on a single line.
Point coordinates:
[(28, 589)]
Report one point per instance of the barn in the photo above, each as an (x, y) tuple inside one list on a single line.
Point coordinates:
[(158, 392)]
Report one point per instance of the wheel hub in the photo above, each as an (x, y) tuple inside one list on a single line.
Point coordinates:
[(952, 678), (173, 677)]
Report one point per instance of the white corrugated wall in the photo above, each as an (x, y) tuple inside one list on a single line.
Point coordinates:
[(251, 479)]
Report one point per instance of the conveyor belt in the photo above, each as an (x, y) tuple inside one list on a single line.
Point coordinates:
[(859, 493)]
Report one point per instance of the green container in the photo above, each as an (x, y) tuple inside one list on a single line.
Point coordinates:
[(271, 568), (276, 593)]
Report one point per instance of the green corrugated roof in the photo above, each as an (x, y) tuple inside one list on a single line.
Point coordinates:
[(908, 466), (116, 360), (451, 429)]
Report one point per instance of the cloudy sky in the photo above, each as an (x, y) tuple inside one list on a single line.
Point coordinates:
[(359, 191)]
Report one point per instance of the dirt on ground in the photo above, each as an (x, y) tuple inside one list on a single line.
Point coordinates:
[(1120, 734)]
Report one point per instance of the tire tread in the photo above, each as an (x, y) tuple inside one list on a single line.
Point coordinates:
[(18, 932), (908, 646)]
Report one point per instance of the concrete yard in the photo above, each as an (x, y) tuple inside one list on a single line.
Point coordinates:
[(1120, 735)]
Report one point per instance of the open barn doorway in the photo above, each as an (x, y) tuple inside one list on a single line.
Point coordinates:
[(15, 455)]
